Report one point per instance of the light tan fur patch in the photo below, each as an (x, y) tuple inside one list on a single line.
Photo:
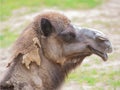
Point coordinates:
[(32, 56)]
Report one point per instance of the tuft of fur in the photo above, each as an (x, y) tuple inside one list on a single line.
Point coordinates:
[(32, 56)]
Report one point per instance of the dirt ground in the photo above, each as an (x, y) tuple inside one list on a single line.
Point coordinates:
[(105, 18)]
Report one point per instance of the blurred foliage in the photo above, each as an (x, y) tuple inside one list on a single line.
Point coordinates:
[(88, 77), (7, 6), (7, 37), (94, 76)]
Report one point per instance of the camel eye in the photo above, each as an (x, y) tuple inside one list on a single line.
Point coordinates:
[(68, 37)]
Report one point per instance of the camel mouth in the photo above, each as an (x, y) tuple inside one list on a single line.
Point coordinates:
[(79, 54), (103, 55)]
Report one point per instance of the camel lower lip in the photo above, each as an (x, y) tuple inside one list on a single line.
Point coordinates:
[(104, 56)]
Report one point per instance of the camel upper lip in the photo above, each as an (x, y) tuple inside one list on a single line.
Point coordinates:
[(103, 55)]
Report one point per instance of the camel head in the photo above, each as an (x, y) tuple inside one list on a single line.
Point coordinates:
[(57, 46), (64, 41), (88, 41)]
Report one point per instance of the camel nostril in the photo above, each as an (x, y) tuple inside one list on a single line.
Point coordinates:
[(108, 46)]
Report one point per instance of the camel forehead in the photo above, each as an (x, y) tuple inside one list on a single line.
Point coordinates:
[(54, 17), (92, 33)]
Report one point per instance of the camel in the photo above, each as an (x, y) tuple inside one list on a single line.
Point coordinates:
[(48, 49)]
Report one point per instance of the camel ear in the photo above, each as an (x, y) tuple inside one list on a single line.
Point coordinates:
[(46, 27)]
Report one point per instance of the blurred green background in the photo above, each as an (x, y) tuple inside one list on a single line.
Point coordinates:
[(7, 6)]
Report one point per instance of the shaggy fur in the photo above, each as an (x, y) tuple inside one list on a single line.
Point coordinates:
[(50, 47), (51, 73), (33, 56)]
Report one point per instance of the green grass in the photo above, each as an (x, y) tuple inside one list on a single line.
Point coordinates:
[(110, 78), (7, 37), (114, 79), (7, 6), (115, 83), (89, 78)]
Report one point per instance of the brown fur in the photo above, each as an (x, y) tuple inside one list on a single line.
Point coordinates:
[(24, 44), (33, 56), (51, 48), (56, 53)]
